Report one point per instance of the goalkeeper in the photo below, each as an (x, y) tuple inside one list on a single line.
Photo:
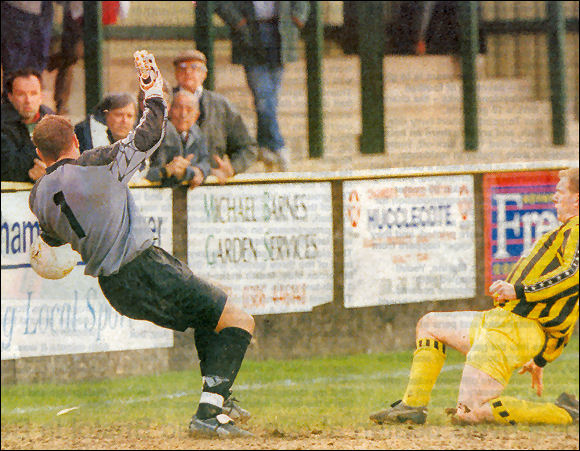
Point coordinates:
[(84, 200), (536, 309)]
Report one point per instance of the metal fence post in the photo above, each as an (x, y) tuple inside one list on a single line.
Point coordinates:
[(371, 39), (204, 37), (93, 44), (556, 39), (468, 17), (314, 49)]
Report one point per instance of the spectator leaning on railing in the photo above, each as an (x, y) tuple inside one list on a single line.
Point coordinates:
[(182, 155), (112, 119), (232, 148), (20, 114)]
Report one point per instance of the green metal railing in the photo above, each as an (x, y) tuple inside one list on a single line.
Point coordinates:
[(368, 23)]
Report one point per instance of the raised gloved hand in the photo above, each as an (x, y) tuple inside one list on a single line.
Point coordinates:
[(150, 77)]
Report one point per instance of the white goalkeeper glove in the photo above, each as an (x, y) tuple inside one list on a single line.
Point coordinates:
[(150, 78)]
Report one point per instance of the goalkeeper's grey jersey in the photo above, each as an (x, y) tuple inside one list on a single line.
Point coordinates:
[(86, 202)]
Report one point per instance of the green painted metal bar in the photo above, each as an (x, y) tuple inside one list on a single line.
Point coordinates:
[(371, 34), (331, 32), (557, 67), (469, 49), (314, 50), (93, 46), (204, 38), (151, 32), (524, 26)]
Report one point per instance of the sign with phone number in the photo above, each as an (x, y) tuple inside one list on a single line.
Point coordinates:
[(408, 240), (268, 246)]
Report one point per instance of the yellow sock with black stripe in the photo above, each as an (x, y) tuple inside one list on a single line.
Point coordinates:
[(508, 410), (428, 360)]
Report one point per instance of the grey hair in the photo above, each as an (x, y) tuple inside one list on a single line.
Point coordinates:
[(189, 94)]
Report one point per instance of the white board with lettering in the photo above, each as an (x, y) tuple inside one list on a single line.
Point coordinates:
[(268, 246), (43, 317), (408, 240)]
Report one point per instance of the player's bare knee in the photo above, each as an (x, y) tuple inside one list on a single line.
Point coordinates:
[(234, 316), (250, 323), (426, 326)]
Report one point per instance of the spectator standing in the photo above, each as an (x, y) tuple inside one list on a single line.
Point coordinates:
[(20, 114), (26, 32), (232, 148), (71, 47), (264, 38), (182, 155)]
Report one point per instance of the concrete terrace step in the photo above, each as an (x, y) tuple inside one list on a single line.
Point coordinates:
[(346, 69), (433, 128), (429, 93), (446, 116), (427, 157), (438, 139)]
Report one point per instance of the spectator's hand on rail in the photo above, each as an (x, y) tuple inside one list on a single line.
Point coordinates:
[(197, 179), (224, 170), (178, 165), (38, 170)]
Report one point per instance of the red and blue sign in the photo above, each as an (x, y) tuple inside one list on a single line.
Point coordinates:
[(518, 210)]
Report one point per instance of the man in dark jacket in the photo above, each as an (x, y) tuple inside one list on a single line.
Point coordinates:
[(264, 38), (20, 114), (182, 155), (112, 119), (232, 148)]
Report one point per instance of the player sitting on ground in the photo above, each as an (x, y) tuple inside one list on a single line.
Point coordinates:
[(535, 311), (84, 200)]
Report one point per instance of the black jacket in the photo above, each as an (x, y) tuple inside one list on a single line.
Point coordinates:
[(18, 151)]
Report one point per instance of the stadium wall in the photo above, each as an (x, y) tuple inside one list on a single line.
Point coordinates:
[(331, 327)]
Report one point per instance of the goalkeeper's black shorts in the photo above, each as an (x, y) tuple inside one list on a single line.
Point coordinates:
[(157, 287)]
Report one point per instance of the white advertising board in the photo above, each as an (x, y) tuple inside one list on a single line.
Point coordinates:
[(43, 317), (408, 240), (268, 246)]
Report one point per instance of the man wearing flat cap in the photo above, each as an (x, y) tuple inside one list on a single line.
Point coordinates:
[(231, 146)]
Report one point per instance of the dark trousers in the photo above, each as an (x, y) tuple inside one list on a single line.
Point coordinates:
[(25, 38)]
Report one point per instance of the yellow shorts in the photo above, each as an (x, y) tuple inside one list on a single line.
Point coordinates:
[(501, 342)]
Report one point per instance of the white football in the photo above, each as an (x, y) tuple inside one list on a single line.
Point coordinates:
[(52, 262)]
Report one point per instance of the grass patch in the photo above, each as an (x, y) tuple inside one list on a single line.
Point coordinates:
[(291, 396)]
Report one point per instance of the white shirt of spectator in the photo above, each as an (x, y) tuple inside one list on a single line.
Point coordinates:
[(265, 10)]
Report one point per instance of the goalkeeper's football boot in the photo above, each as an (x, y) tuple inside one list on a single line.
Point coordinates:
[(399, 412), (570, 404), (220, 426), (232, 409)]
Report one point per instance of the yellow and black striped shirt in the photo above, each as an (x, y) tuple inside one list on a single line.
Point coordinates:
[(546, 282)]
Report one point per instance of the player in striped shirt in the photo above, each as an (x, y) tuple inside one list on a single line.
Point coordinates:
[(535, 310)]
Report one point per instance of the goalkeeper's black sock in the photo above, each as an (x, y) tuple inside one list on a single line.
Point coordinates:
[(203, 340), (223, 361)]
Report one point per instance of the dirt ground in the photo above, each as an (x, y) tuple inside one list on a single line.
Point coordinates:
[(390, 437)]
